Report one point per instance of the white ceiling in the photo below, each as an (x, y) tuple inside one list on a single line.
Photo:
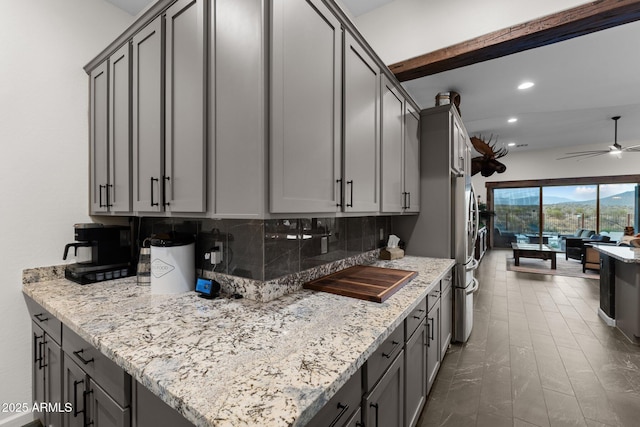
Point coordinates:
[(579, 85)]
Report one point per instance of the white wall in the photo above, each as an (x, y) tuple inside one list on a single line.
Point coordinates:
[(542, 164), (404, 29), (44, 153)]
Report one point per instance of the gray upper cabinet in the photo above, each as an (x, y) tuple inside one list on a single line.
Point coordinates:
[(392, 160), (169, 111), (119, 190), (185, 142), (411, 197), (458, 144), (148, 110), (306, 97), (98, 137), (361, 129)]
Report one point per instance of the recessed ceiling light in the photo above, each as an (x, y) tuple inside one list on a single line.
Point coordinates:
[(526, 85), (512, 120), (511, 144)]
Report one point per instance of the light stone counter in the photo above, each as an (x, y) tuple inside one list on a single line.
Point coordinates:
[(228, 362), (621, 253)]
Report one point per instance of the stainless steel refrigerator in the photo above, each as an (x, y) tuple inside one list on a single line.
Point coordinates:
[(447, 224)]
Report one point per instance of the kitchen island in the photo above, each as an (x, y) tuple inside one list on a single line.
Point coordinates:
[(626, 290), (232, 362)]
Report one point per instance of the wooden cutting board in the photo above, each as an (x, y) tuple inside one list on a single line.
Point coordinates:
[(364, 282)]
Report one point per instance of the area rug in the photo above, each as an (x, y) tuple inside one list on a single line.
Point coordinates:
[(569, 268)]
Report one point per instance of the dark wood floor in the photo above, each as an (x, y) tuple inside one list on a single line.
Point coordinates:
[(538, 355)]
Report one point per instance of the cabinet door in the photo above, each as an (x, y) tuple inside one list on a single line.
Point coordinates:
[(306, 96), (38, 370), (53, 380), (446, 317), (361, 134), (411, 160), (415, 374), (119, 190), (391, 162), (458, 142), (104, 411), (185, 142), (150, 411), (75, 384), (147, 120), (384, 406), (433, 344), (98, 137)]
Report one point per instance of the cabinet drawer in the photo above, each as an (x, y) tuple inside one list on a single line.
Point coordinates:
[(432, 298), (41, 317), (415, 318), (110, 376), (446, 282), (338, 411), (383, 357)]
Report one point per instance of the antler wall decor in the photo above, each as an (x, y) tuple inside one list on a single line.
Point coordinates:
[(488, 163)]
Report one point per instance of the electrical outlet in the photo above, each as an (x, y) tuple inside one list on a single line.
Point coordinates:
[(382, 234), (216, 253)]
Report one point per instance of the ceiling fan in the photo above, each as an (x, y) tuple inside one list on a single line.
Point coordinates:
[(615, 149)]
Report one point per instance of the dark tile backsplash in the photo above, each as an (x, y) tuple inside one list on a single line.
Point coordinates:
[(268, 249)]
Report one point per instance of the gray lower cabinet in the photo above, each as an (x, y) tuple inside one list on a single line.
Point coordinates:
[(446, 315), (433, 338), (344, 407), (169, 144), (151, 411), (415, 361), (384, 404), (361, 130), (306, 112), (47, 376)]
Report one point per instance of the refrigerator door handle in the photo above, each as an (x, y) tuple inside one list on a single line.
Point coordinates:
[(472, 264), (474, 288)]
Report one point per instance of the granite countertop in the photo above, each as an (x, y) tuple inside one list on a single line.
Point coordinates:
[(234, 362), (621, 253)]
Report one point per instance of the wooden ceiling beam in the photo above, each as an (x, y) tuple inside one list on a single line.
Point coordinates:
[(578, 21)]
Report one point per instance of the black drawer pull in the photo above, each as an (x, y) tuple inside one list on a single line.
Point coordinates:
[(82, 359), (40, 318), (344, 409), (375, 406), (165, 179), (152, 202), (431, 337), (393, 349), (416, 317), (37, 350), (41, 345), (84, 402), (350, 205), (339, 182)]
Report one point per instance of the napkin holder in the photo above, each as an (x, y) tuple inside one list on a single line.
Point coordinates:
[(391, 253)]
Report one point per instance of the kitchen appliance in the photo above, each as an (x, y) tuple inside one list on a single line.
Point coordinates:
[(110, 248), (143, 271), (173, 265), (447, 226)]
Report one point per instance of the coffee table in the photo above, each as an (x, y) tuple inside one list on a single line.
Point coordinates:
[(530, 250)]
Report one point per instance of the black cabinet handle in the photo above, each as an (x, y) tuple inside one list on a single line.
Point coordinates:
[(40, 316), (37, 350), (152, 180), (404, 200), (75, 399), (344, 409), (350, 205), (375, 406), (339, 182), (409, 203), (41, 348), (431, 331), (82, 359), (165, 179), (393, 349), (100, 187)]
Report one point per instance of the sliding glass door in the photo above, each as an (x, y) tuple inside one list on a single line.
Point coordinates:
[(517, 215)]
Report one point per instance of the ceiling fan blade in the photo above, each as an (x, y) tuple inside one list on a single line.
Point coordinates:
[(583, 153), (633, 148)]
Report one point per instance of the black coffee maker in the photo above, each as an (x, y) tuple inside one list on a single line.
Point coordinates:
[(110, 253)]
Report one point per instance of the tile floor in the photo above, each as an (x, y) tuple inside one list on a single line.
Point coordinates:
[(538, 355)]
